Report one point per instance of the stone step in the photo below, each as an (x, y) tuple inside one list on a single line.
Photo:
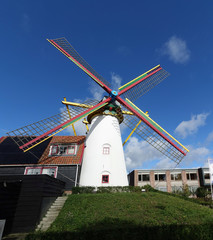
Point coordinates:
[(58, 205), (52, 209), (52, 214), (61, 201)]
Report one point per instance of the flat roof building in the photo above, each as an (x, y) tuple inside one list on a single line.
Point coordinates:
[(168, 180)]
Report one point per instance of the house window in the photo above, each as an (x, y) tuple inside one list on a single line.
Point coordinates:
[(49, 171), (160, 177), (71, 150), (61, 150), (52, 171), (33, 171), (176, 177), (106, 150), (143, 177), (206, 176), (54, 150), (191, 176), (105, 178)]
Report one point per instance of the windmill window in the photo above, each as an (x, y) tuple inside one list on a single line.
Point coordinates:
[(61, 150), (106, 150), (105, 178)]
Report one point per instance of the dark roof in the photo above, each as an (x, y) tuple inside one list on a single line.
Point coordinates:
[(11, 154)]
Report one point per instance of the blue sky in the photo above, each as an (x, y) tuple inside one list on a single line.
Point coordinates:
[(120, 40)]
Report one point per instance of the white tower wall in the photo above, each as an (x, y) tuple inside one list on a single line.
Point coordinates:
[(104, 132)]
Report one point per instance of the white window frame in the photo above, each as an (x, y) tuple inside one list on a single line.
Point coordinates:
[(41, 170), (58, 151), (176, 173), (158, 180), (142, 177), (190, 176)]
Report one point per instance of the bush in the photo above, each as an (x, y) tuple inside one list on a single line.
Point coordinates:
[(116, 189), (148, 188), (201, 192), (185, 192), (78, 190)]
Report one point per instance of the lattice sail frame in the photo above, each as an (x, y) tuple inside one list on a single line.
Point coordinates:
[(27, 133), (68, 50), (152, 137), (147, 81), (133, 90)]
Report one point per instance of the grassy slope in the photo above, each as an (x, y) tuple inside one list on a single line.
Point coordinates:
[(129, 215)]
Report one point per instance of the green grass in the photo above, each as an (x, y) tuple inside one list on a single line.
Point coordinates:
[(149, 215)]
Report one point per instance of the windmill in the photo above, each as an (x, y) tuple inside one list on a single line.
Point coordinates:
[(103, 161)]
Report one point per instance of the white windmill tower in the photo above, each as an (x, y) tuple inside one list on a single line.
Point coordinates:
[(103, 161)]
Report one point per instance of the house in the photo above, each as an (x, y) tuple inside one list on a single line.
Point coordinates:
[(59, 157)]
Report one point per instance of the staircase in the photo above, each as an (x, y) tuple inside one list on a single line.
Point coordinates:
[(51, 214)]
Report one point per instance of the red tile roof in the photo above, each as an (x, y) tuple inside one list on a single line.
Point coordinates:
[(61, 160)]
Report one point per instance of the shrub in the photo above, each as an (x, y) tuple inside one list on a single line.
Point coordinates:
[(201, 192), (136, 189), (148, 188), (78, 190), (105, 190), (185, 192)]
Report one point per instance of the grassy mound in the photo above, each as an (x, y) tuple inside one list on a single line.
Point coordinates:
[(149, 215)]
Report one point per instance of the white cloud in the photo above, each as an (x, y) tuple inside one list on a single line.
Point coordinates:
[(138, 152), (176, 49), (96, 91), (196, 157), (165, 163), (186, 128), (115, 80), (209, 137)]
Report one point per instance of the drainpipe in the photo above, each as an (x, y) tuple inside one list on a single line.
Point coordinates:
[(76, 176)]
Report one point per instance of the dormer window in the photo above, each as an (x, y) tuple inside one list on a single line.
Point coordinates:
[(63, 150)]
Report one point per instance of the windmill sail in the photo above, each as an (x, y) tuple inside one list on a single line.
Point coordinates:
[(159, 138), (142, 84), (67, 49), (33, 134)]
